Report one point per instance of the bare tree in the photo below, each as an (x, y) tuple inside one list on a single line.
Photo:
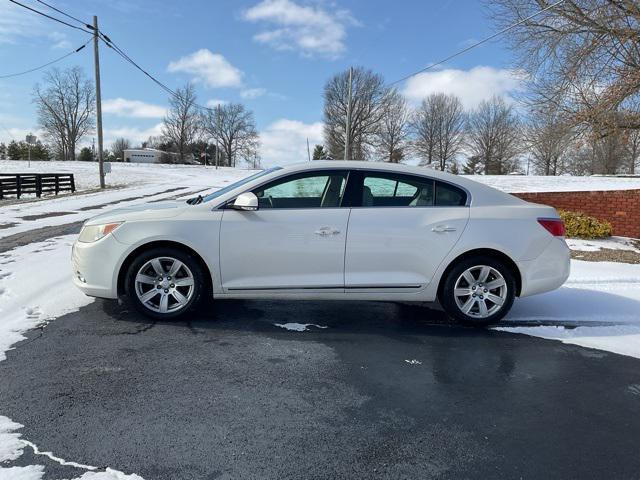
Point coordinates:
[(438, 126), (581, 56), (393, 132), (234, 127), (66, 109), (182, 123), (369, 97), (494, 136), (548, 137), (632, 141), (118, 147)]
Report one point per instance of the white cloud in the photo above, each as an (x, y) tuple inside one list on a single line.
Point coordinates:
[(135, 134), (15, 23), (472, 86), (132, 108), (60, 41), (210, 68), (285, 141), (309, 29), (252, 93), (214, 102)]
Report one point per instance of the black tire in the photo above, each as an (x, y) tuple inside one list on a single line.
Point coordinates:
[(448, 299), (175, 309)]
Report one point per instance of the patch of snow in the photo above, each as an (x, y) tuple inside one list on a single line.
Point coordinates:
[(59, 460), (298, 327), (622, 339), (30, 472), (612, 243), (414, 362), (600, 299), (30, 293)]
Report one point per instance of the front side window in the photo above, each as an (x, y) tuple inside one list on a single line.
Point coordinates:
[(310, 190), (392, 190)]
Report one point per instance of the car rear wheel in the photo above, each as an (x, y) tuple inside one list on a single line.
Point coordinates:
[(478, 291), (165, 282)]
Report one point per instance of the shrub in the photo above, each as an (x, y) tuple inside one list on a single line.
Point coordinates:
[(579, 225)]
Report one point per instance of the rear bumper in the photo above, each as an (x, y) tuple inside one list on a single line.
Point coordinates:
[(548, 271), (93, 266)]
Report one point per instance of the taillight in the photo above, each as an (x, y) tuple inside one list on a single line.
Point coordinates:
[(555, 226)]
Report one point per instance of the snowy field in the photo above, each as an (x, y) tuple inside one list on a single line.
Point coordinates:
[(126, 174), (531, 183)]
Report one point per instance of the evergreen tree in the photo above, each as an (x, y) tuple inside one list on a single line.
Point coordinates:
[(319, 153), (473, 166), (85, 155)]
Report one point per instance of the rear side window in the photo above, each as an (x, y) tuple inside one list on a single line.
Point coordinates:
[(381, 189), (448, 195)]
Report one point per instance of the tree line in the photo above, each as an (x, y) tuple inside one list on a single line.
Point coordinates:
[(65, 106), (497, 137)]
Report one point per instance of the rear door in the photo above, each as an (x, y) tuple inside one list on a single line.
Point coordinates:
[(400, 229)]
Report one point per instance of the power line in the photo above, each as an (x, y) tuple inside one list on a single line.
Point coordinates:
[(111, 44), (46, 64), (477, 44), (90, 27), (49, 16)]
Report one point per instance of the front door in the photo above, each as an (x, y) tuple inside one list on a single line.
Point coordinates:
[(295, 240), (401, 230)]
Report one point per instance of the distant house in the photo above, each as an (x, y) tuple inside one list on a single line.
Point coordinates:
[(151, 155)]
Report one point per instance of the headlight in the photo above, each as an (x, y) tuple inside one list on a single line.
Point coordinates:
[(93, 233)]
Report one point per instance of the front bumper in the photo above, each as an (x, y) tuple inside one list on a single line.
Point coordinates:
[(548, 271), (95, 266)]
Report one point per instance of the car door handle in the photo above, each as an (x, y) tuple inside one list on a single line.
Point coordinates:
[(326, 231), (443, 228)]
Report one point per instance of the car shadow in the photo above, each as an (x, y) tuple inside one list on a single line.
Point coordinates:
[(284, 317)]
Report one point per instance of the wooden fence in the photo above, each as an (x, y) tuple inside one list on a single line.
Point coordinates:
[(18, 184)]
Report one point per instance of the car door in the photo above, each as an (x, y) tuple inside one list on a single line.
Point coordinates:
[(400, 230), (295, 240)]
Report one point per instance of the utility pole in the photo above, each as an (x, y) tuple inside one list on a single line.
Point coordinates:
[(218, 135), (96, 61), (347, 131), (308, 151)]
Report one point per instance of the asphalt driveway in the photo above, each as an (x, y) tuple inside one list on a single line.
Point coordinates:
[(385, 391)]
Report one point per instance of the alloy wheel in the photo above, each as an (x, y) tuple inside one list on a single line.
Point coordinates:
[(480, 291), (164, 285)]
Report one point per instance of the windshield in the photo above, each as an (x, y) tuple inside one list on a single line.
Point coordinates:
[(239, 183)]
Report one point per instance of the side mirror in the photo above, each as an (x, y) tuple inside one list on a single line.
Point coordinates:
[(246, 201)]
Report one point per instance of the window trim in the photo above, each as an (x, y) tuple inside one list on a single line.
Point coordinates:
[(352, 197), (362, 173), (301, 174)]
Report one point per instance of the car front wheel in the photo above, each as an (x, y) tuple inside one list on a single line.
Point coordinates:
[(164, 282), (478, 291)]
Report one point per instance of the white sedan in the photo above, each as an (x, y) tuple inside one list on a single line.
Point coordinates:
[(329, 230)]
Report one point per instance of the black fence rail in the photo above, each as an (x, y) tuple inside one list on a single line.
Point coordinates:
[(18, 184)]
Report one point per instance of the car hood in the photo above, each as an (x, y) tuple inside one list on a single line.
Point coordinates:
[(144, 211)]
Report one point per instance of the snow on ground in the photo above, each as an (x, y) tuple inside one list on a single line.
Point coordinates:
[(50, 294), (611, 243), (298, 327), (136, 174), (598, 307), (155, 182), (531, 183)]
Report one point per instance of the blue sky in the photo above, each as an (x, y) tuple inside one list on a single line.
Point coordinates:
[(273, 55)]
